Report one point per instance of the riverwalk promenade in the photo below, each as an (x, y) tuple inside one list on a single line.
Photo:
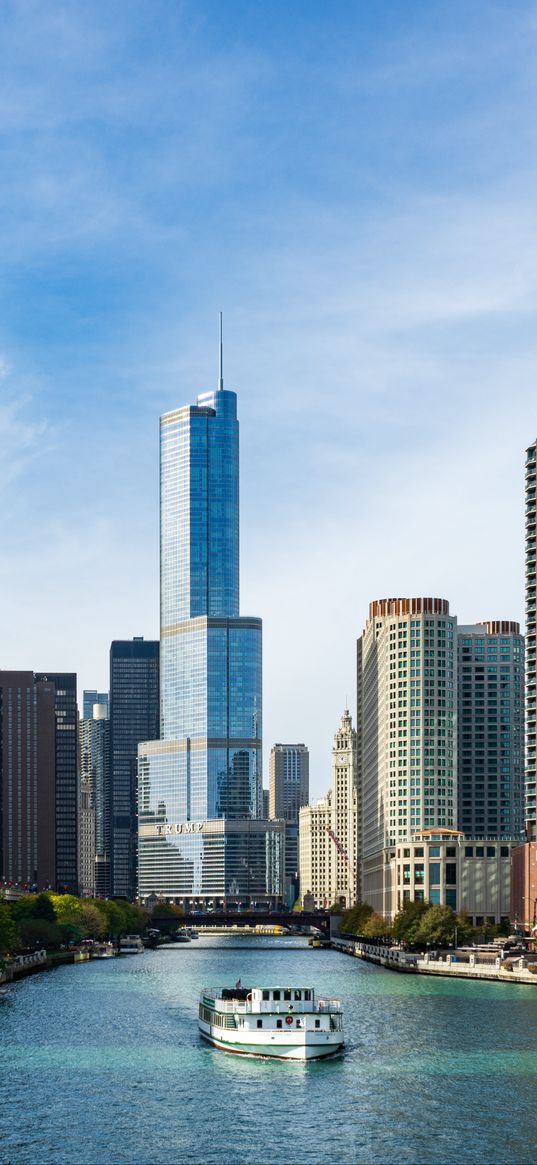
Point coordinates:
[(457, 964), (20, 966)]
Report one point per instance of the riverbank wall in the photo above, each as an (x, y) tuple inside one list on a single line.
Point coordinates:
[(22, 965), (457, 965)]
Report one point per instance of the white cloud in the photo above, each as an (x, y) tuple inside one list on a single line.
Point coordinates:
[(376, 267)]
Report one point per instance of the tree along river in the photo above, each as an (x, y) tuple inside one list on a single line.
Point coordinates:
[(101, 1063)]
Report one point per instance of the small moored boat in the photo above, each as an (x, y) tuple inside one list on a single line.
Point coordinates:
[(286, 1023), (102, 951), (131, 944)]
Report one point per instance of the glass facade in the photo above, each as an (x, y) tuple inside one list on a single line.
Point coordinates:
[(91, 696), (134, 716), (199, 547), (226, 859), (207, 765)]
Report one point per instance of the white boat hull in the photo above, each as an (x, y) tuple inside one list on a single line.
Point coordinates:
[(292, 1045)]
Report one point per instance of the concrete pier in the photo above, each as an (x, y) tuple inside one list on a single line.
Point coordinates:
[(452, 965)]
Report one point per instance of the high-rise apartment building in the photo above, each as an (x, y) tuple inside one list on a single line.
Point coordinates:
[(134, 716), (407, 774), (531, 641), (288, 792), (329, 830), (207, 764), (66, 711), (440, 731), (524, 903), (490, 752), (94, 806), (86, 840), (289, 782), (28, 833)]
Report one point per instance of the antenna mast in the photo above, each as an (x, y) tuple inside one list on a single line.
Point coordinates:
[(221, 361)]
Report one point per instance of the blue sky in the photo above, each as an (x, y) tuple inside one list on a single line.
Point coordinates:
[(354, 185)]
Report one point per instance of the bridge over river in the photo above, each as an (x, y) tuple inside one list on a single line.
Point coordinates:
[(167, 923)]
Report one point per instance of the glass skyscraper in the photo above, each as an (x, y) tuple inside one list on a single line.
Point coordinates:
[(207, 764), (134, 716)]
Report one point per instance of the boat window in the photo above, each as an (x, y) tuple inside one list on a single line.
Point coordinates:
[(298, 995), (266, 995), (317, 1023), (287, 994), (260, 1023), (299, 1023), (278, 1023), (307, 995), (275, 994)]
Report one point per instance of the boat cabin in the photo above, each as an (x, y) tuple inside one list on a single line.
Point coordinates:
[(272, 1001)]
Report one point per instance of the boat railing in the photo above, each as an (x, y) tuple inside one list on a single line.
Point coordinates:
[(227, 1005), (245, 1006)]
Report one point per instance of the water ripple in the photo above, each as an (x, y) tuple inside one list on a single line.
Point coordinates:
[(101, 1064)]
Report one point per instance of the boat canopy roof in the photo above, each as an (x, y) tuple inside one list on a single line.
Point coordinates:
[(243, 992)]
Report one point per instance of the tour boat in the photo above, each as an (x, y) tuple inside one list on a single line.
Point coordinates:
[(131, 944), (285, 1023)]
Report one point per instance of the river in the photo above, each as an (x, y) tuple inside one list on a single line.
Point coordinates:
[(101, 1063)]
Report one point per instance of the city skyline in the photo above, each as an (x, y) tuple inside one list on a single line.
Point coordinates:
[(357, 196)]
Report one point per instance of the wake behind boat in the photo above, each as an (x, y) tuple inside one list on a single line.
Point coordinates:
[(287, 1023)]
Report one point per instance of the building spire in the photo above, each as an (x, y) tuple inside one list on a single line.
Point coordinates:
[(221, 361)]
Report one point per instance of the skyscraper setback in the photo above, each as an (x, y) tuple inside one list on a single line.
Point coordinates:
[(210, 657), (207, 764)]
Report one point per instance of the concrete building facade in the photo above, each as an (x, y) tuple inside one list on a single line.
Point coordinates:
[(407, 774), (440, 731), (445, 867), (28, 833), (329, 830)]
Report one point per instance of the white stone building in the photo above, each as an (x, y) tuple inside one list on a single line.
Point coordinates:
[(329, 830), (407, 776)]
